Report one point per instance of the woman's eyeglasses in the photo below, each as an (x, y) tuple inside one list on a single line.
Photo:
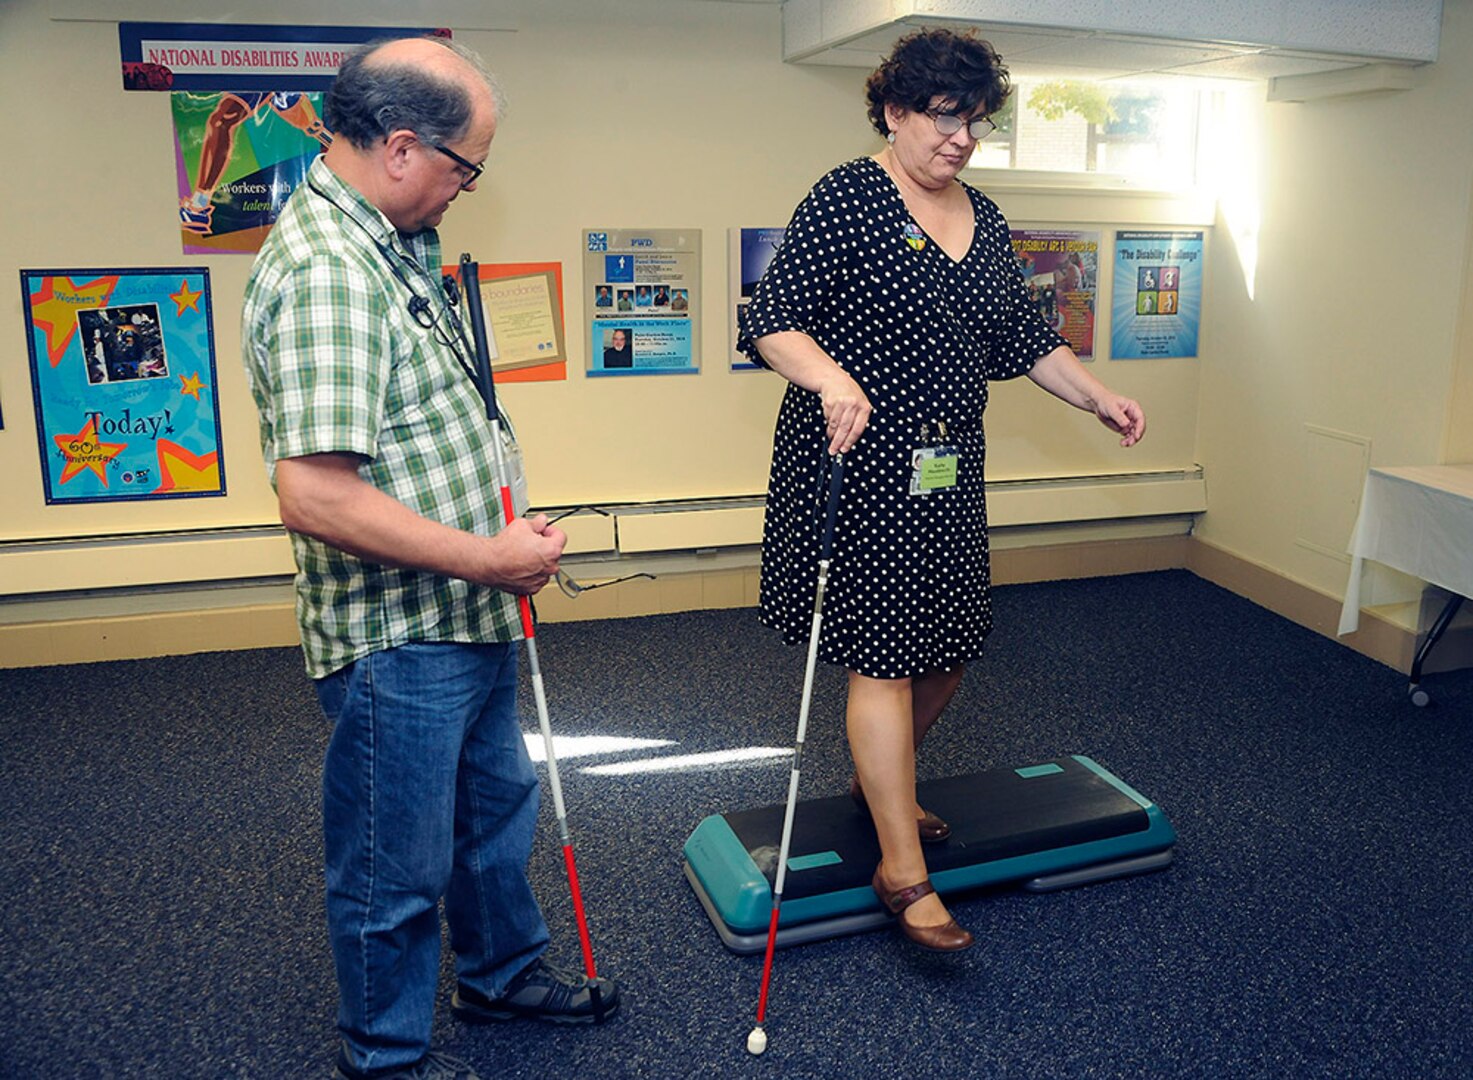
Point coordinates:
[(950, 124)]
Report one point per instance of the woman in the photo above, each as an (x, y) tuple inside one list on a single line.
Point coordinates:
[(893, 300)]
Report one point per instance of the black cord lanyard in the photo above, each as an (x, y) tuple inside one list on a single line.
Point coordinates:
[(419, 306)]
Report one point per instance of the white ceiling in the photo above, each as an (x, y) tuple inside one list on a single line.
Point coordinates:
[(1103, 39), (1059, 54)]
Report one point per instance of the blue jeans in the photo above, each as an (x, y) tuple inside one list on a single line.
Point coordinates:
[(427, 791)]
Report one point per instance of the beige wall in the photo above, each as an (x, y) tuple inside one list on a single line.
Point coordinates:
[(1354, 344), (628, 113), (1458, 424), (1344, 353)]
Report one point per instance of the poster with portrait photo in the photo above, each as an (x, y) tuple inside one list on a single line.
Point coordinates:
[(748, 253), (641, 346), (123, 379), (654, 279)]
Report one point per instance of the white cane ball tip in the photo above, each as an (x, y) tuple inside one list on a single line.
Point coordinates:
[(756, 1041)]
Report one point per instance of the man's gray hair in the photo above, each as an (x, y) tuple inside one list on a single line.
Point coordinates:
[(369, 99)]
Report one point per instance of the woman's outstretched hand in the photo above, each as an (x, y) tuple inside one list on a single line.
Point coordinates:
[(1123, 415)]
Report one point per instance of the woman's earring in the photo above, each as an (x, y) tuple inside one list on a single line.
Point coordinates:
[(890, 138)]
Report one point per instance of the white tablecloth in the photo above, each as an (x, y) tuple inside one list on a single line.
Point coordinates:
[(1417, 519)]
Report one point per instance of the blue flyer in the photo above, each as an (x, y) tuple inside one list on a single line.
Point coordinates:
[(1156, 305), (641, 347), (752, 251)]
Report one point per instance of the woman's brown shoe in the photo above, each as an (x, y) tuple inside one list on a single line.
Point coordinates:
[(948, 937), (932, 829)]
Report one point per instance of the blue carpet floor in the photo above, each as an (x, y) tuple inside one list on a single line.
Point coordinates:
[(160, 867)]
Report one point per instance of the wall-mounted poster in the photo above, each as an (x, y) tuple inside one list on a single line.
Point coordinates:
[(1156, 306), (524, 312), (750, 251), (642, 290), (239, 155), (242, 56), (247, 104), (1062, 270), (123, 375)]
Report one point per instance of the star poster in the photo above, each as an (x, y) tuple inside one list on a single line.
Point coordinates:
[(123, 376)]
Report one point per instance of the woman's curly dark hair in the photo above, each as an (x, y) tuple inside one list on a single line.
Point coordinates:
[(962, 68)]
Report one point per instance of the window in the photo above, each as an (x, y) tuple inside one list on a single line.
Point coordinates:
[(1141, 132)]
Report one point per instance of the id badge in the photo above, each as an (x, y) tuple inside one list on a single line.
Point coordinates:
[(511, 457), (933, 468), (516, 472)]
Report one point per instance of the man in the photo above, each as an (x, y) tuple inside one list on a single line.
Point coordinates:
[(617, 353), (378, 447)]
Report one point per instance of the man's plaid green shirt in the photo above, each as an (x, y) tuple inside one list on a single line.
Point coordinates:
[(337, 364)]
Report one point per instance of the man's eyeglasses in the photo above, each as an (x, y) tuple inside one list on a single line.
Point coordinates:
[(476, 170), (950, 124)]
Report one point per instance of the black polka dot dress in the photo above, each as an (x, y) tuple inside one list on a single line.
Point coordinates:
[(922, 335)]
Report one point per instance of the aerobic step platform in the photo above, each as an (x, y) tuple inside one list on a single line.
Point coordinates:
[(1063, 823)]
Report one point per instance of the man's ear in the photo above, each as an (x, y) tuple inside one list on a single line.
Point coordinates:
[(396, 152)]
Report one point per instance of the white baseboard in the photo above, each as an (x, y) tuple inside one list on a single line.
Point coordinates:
[(79, 631)]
